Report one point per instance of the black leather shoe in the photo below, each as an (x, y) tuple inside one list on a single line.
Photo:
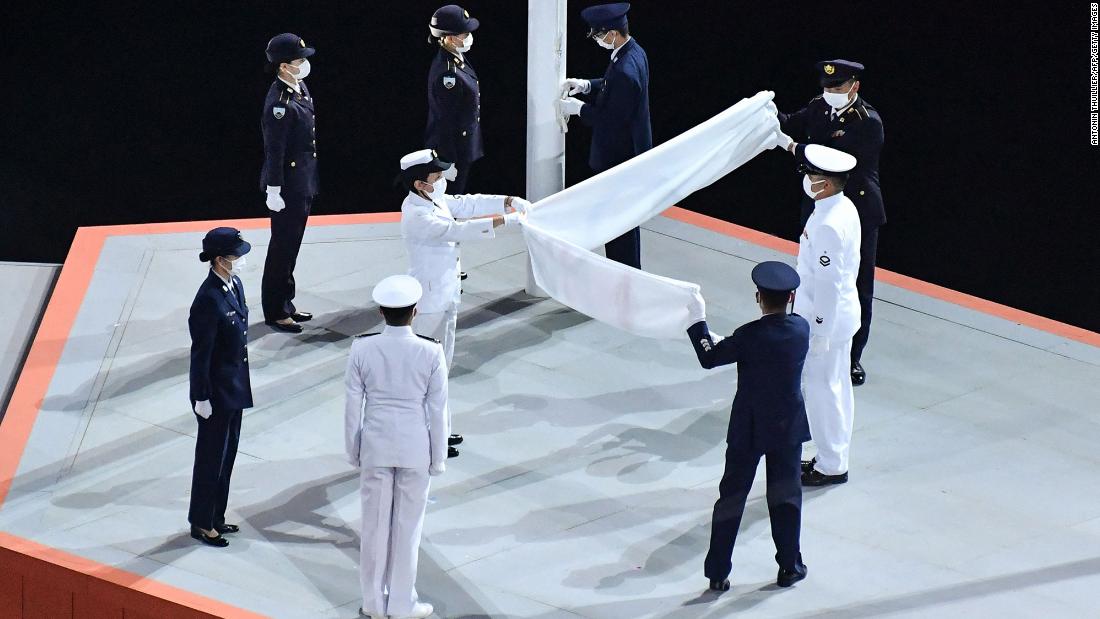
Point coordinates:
[(720, 585), (452, 452), (858, 375), (284, 327), (454, 439), (808, 465), (787, 578), (217, 542), (226, 528), (817, 478), (462, 276), (302, 316)]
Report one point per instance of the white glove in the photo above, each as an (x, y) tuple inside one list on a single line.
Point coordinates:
[(782, 140), (573, 86), (203, 409), (697, 308), (819, 345), (437, 469), (513, 219), (570, 106), (274, 200), (451, 173), (521, 205)]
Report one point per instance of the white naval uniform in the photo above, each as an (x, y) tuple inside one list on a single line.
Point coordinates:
[(396, 426), (828, 260), (432, 236)]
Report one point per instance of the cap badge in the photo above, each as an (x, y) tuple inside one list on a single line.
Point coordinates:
[(302, 42), (465, 13), (829, 69)]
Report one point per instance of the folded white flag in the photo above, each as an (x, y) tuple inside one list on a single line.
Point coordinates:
[(561, 228)]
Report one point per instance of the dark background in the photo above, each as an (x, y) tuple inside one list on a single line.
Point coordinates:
[(149, 111)]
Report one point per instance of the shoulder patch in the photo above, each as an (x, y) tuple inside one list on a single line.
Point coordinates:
[(278, 112), (424, 337), (449, 81), (815, 98), (366, 334)]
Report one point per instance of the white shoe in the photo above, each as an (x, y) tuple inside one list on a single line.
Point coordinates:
[(420, 610)]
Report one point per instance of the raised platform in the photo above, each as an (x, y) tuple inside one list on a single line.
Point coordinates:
[(592, 457)]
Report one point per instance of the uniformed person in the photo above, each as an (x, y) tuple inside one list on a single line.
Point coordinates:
[(396, 427), (616, 107), (454, 95), (768, 419), (842, 119), (289, 175), (220, 388), (828, 260)]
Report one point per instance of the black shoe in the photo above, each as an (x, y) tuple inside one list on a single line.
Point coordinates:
[(817, 478), (720, 585), (808, 465), (302, 316), (217, 542), (787, 578), (462, 276), (452, 452), (284, 327), (454, 439), (226, 528), (858, 375)]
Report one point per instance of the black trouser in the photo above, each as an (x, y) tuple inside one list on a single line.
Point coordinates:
[(458, 185), (215, 452), (784, 470), (626, 249), (865, 287), (287, 228)]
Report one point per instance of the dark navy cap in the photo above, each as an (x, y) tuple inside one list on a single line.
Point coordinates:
[(604, 17), (775, 277), (223, 242), (452, 19), (836, 72), (286, 47)]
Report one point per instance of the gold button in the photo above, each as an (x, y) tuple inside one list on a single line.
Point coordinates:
[(841, 119), (314, 155), (464, 133), (314, 141), (292, 164), (861, 192)]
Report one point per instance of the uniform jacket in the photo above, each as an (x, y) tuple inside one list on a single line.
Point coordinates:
[(828, 261), (219, 345), (396, 408), (454, 109), (856, 131), (432, 236), (617, 109), (768, 411), (290, 140)]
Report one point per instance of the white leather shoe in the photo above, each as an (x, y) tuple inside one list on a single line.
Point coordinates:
[(420, 610)]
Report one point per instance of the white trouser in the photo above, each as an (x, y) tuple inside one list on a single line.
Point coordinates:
[(830, 408), (394, 501), (441, 326)]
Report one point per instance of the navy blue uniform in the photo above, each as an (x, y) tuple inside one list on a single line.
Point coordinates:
[(219, 374), (617, 109), (454, 115), (290, 162), (768, 419), (858, 132)]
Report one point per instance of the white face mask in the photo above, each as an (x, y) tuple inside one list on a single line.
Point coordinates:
[(467, 43), (604, 44), (236, 266), (808, 186), (438, 189), (303, 70), (837, 100)]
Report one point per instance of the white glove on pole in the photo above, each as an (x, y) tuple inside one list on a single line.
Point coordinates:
[(203, 409), (451, 173), (521, 205), (697, 308), (573, 86), (819, 345), (570, 106), (782, 140), (437, 469), (274, 200), (513, 219)]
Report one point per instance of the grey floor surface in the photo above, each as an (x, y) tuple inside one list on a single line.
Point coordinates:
[(29, 285), (592, 458)]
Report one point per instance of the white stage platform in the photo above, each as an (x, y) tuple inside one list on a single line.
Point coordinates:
[(591, 460)]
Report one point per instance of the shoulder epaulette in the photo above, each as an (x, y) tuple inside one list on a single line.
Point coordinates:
[(430, 339), (861, 112), (366, 334)]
